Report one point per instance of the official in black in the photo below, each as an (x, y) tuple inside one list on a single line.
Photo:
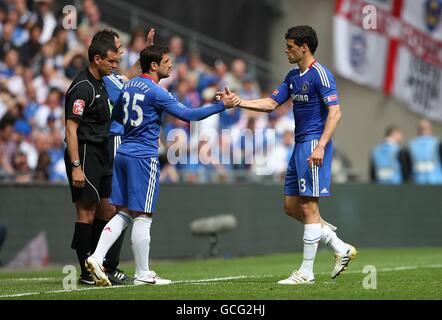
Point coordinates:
[(87, 131)]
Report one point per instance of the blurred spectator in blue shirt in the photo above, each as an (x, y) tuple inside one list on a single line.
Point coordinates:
[(424, 154), (387, 159)]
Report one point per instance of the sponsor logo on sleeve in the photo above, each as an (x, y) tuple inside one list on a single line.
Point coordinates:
[(78, 107), (330, 99), (275, 92)]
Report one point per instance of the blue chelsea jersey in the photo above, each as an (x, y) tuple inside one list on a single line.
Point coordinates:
[(312, 92)]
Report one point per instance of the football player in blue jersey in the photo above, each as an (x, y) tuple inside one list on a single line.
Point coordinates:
[(105, 211), (317, 112), (136, 171)]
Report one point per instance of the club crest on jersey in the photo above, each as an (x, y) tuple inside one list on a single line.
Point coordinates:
[(78, 107), (433, 10), (305, 87)]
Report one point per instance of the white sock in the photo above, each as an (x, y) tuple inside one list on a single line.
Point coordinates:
[(111, 232), (330, 239), (141, 245), (312, 235)]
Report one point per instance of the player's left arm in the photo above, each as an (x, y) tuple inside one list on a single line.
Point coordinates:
[(333, 118), (135, 70), (168, 103), (327, 91)]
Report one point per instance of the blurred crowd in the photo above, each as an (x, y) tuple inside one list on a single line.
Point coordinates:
[(418, 160), (39, 59)]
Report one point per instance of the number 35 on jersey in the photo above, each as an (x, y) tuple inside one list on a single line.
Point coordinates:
[(133, 104)]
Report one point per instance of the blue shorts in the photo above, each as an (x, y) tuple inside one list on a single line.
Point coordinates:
[(301, 180), (135, 183)]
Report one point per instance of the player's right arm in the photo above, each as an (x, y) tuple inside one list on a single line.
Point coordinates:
[(117, 110), (78, 179), (114, 85), (260, 105), (278, 97), (135, 70), (77, 100)]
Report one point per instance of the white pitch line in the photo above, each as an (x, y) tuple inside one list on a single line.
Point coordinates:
[(217, 279), (398, 268), (113, 287), (206, 281), (60, 291), (29, 279)]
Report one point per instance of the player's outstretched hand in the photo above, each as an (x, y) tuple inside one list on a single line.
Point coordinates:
[(229, 98), (150, 37)]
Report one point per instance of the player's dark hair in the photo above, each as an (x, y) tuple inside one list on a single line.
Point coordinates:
[(106, 34), (152, 54), (389, 131), (100, 46), (303, 34)]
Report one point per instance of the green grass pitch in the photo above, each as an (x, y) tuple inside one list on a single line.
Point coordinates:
[(401, 273)]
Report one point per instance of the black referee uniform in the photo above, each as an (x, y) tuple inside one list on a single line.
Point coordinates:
[(87, 101)]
